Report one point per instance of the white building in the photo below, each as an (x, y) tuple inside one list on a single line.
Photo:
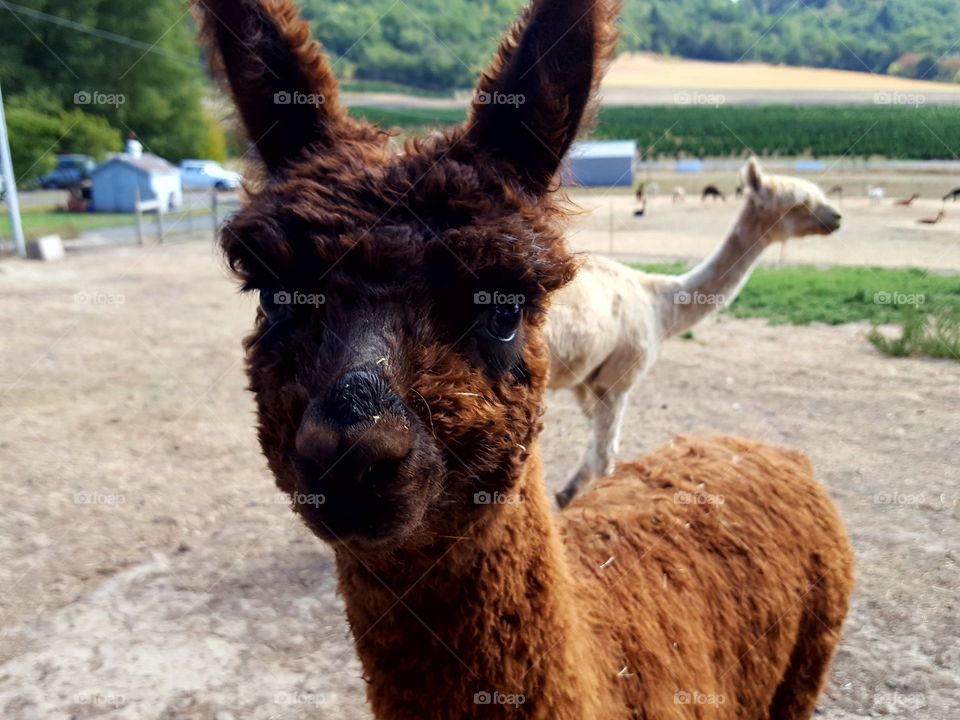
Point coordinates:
[(601, 164), (115, 183)]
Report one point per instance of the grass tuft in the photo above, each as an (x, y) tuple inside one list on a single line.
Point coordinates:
[(925, 306)]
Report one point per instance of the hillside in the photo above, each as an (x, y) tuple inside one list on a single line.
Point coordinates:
[(441, 44)]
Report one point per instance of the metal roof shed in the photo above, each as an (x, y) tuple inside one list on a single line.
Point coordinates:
[(601, 164), (115, 183)]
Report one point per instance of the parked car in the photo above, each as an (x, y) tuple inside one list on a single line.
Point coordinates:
[(71, 171), (207, 175)]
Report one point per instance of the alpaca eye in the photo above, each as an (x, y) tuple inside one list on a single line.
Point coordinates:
[(504, 321), (274, 303)]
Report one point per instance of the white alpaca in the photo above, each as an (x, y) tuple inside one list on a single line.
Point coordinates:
[(877, 194), (679, 195), (605, 328)]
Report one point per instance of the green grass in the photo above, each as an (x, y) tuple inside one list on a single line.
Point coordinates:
[(371, 86), (698, 131), (925, 307), (39, 222), (934, 335), (415, 121)]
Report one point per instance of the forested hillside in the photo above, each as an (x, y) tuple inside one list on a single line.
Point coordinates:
[(81, 76), (441, 44)]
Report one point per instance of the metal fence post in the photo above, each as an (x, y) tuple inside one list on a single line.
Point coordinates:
[(136, 200), (216, 221)]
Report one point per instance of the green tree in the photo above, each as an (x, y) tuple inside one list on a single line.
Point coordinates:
[(156, 94)]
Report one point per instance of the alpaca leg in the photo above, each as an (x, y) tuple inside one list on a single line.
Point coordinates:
[(607, 412), (817, 638), (589, 402), (608, 419)]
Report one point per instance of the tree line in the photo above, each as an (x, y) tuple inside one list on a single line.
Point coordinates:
[(82, 76), (442, 44), (69, 88)]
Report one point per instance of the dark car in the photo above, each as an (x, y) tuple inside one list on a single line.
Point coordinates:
[(71, 170)]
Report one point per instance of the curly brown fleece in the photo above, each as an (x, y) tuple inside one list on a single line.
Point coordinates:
[(709, 580)]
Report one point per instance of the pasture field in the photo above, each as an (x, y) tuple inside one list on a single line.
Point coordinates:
[(644, 79), (881, 235), (858, 131), (649, 70)]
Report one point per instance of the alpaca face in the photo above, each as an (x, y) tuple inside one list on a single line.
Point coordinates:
[(397, 359), (790, 207), (398, 368)]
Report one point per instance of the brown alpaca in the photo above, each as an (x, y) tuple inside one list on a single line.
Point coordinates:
[(399, 370), (713, 192), (933, 221)]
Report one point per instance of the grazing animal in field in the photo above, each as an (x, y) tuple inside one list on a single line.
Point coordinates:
[(641, 211), (906, 202), (933, 221), (836, 191), (952, 195), (605, 328), (876, 194), (679, 195), (713, 192), (402, 414), (739, 192)]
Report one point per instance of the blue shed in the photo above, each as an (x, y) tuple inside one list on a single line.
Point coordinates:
[(115, 183), (601, 164)]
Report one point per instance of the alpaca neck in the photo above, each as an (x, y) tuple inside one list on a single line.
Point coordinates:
[(718, 279), (493, 611)]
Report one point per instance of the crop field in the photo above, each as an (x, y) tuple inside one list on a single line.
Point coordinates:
[(895, 132)]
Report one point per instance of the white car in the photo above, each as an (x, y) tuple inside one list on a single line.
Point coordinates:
[(207, 175)]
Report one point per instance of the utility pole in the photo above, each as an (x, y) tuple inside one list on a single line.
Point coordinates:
[(10, 184)]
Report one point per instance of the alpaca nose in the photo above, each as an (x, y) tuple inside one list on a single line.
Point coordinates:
[(354, 434)]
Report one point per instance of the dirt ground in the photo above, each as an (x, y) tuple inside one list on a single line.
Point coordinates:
[(149, 570), (882, 235)]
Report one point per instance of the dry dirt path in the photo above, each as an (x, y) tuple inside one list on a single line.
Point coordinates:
[(149, 570)]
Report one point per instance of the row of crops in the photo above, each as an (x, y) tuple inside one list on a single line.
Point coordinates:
[(896, 132)]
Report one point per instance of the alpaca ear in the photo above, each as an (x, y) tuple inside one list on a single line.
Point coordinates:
[(530, 105), (753, 175), (281, 83)]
